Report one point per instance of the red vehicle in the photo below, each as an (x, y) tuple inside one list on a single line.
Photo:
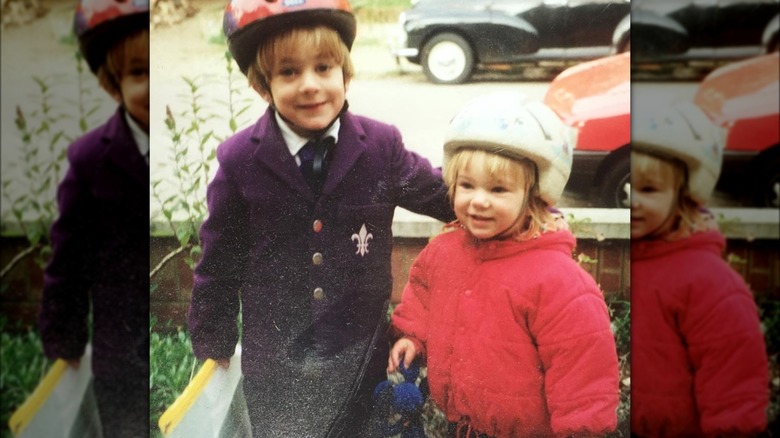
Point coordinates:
[(744, 98), (594, 99)]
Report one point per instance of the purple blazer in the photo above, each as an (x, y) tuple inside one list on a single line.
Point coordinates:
[(310, 272), (101, 252)]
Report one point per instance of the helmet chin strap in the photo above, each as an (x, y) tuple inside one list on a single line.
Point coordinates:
[(320, 132)]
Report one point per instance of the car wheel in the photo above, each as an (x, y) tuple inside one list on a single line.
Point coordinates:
[(447, 59), (766, 191), (615, 189)]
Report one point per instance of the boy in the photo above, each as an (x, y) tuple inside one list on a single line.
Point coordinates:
[(100, 239), (300, 215)]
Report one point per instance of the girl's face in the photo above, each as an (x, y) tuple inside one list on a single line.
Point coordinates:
[(653, 200), (134, 88), (485, 204), (308, 89)]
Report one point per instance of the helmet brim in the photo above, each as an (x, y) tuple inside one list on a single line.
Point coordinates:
[(95, 43), (243, 43)]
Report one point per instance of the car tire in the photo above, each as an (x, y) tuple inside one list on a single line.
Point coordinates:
[(766, 190), (447, 59), (615, 188)]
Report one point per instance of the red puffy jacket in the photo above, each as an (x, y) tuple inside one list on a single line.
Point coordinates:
[(516, 335), (698, 359)]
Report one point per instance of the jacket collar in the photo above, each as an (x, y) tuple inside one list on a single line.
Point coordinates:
[(120, 148), (561, 240), (710, 241), (271, 151)]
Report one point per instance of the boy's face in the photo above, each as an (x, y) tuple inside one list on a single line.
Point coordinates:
[(486, 205), (134, 88), (653, 197), (307, 88)]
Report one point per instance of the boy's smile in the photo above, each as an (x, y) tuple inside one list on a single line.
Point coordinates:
[(307, 89)]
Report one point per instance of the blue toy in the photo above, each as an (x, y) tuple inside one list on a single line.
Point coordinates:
[(398, 406)]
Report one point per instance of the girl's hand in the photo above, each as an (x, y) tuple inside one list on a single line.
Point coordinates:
[(73, 363), (403, 348), (223, 363)]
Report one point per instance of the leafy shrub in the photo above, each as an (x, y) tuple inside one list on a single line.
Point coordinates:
[(22, 366), (171, 367)]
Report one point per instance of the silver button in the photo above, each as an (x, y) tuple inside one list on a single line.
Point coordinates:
[(319, 293), (316, 258)]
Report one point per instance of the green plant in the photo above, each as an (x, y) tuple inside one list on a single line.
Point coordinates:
[(22, 366), (44, 133), (769, 310), (171, 367), (194, 139), (582, 227), (620, 323)]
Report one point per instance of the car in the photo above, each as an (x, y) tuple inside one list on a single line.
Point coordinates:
[(594, 99), (701, 34), (450, 39), (744, 98)]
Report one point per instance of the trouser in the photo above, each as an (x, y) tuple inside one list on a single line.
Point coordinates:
[(123, 405), (318, 396), (303, 405)]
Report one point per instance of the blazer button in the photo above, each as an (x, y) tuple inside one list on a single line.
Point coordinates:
[(317, 226), (319, 293), (316, 258)]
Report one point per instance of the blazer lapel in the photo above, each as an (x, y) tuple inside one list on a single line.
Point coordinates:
[(272, 152), (346, 153), (121, 149)]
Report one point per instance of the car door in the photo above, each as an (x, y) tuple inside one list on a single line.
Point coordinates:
[(590, 25), (740, 26), (546, 17)]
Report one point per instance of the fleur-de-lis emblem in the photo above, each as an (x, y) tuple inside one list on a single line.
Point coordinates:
[(362, 237)]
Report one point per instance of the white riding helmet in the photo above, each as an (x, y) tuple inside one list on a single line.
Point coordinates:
[(509, 124), (684, 132)]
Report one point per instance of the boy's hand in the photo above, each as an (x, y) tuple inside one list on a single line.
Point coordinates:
[(403, 348), (223, 363)]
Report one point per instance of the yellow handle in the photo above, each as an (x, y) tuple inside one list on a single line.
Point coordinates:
[(175, 413), (25, 413)]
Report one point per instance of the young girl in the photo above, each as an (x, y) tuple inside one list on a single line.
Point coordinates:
[(699, 365), (516, 335)]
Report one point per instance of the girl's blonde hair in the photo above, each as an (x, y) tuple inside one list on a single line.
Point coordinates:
[(536, 218), (687, 211), (109, 74), (323, 37)]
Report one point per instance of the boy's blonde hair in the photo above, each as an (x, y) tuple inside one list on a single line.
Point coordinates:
[(109, 74), (323, 37), (537, 217), (686, 209)]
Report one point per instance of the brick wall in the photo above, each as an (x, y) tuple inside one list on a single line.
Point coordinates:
[(606, 260)]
